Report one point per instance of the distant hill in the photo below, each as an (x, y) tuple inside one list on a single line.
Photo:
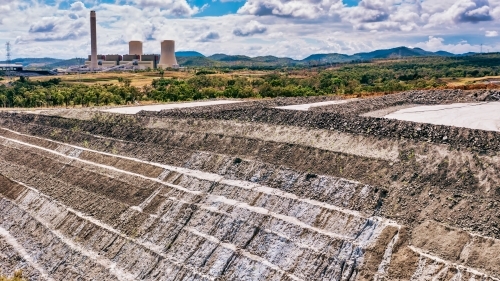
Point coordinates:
[(275, 60), (217, 56), (188, 54), (193, 59), (197, 61), (222, 57), (64, 63), (266, 61), (328, 58), (319, 57), (394, 53), (445, 54), (467, 54), (33, 61)]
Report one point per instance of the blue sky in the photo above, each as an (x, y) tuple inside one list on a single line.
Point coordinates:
[(218, 8), (292, 28)]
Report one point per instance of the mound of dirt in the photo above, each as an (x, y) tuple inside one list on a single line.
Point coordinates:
[(249, 192)]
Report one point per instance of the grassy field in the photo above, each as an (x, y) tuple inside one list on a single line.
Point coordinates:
[(138, 79), (141, 79), (468, 81), (145, 78)]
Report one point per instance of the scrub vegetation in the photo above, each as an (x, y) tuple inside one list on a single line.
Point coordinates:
[(379, 76), (18, 276)]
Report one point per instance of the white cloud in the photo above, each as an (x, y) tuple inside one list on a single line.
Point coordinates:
[(371, 11), (385, 15), (210, 36), (77, 6), (141, 31), (294, 28), (56, 29), (491, 34), (307, 9), (251, 28), (463, 11), (177, 8), (438, 44)]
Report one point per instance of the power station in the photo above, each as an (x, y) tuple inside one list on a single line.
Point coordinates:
[(135, 48), (135, 59), (167, 58)]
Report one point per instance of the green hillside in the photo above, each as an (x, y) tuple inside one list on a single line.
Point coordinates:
[(196, 59)]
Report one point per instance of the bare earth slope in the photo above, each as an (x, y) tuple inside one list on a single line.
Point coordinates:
[(247, 191)]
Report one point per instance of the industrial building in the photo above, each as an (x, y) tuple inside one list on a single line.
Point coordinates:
[(168, 54), (17, 70), (135, 48), (11, 67), (135, 59)]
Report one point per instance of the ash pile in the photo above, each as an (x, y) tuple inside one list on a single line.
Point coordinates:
[(253, 191)]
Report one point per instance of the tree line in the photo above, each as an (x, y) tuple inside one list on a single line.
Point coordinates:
[(381, 76)]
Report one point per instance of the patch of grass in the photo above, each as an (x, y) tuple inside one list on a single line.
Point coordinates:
[(18, 276)]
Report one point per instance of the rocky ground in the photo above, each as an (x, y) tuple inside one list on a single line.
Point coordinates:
[(250, 192)]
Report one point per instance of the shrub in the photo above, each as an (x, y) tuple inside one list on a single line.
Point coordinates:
[(18, 276)]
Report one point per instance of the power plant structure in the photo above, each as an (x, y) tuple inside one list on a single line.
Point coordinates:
[(93, 41), (167, 54), (135, 48), (135, 59)]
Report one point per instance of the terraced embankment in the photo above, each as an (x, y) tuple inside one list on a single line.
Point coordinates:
[(258, 193)]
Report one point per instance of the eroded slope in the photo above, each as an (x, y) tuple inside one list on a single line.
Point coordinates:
[(197, 196)]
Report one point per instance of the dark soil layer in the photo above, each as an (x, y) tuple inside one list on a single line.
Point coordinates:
[(344, 118), (412, 97), (407, 191)]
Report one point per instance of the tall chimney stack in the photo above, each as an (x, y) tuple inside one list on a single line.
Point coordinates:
[(93, 41)]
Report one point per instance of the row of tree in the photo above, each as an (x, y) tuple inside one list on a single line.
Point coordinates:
[(385, 77)]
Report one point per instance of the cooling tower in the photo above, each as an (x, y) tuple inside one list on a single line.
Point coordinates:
[(93, 41), (167, 58), (135, 48)]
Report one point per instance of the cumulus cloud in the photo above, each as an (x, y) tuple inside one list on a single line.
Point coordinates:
[(211, 36), (293, 28), (385, 15), (438, 44), (385, 26), (179, 8), (251, 28), (77, 6), (372, 10), (409, 11), (463, 11), (55, 29), (307, 9), (141, 31), (491, 34), (361, 14), (6, 6), (44, 25)]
